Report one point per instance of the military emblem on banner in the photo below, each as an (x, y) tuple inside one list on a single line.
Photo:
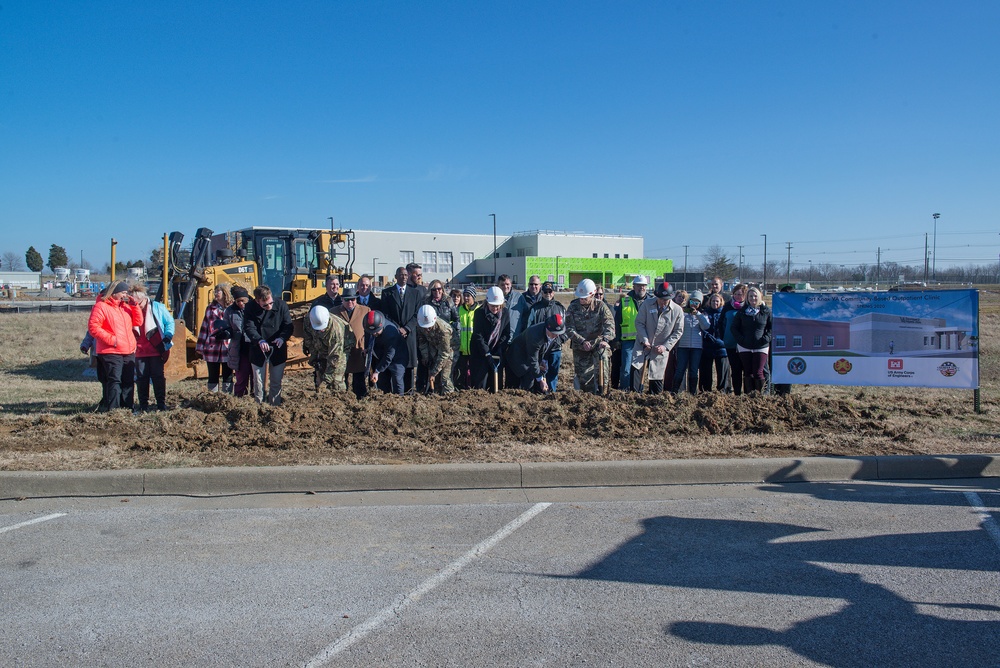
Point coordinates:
[(948, 369), (797, 366), (842, 366)]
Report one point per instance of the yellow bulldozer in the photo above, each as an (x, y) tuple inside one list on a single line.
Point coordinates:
[(294, 263)]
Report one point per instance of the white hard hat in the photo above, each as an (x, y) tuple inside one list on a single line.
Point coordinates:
[(426, 316), (494, 296), (319, 318), (586, 288), (640, 280)]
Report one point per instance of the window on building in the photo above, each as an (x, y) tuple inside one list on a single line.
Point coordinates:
[(829, 341), (430, 262), (595, 254), (444, 262), (508, 254), (468, 258), (626, 256), (406, 257), (779, 341), (796, 342), (522, 252), (618, 256), (817, 341), (606, 255)]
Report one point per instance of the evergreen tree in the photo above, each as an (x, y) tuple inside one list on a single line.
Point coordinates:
[(34, 259), (57, 257)]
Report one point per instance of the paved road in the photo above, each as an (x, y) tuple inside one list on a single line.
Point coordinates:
[(839, 574)]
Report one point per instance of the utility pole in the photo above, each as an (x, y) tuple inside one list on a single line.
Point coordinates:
[(494, 247), (878, 265), (740, 277), (925, 258), (788, 263), (934, 255), (763, 283)]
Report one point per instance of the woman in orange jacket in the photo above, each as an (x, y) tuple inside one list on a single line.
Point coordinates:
[(111, 322)]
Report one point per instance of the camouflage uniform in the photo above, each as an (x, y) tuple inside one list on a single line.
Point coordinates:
[(594, 323), (329, 345), (434, 346)]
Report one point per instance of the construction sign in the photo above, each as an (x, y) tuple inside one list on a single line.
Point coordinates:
[(904, 339)]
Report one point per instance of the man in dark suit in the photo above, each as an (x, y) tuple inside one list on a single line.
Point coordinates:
[(400, 304), (526, 355), (365, 295), (388, 354)]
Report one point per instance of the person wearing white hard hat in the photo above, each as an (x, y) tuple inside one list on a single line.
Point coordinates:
[(323, 342), (434, 347), (490, 337), (590, 325), (625, 312)]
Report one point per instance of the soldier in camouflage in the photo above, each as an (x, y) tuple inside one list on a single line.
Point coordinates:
[(590, 325), (434, 347), (323, 342)]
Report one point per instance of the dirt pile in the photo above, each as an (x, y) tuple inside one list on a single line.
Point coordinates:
[(217, 429)]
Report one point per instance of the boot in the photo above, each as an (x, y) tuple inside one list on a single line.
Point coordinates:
[(213, 387), (227, 388)]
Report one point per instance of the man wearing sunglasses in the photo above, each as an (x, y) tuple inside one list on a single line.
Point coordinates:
[(267, 326)]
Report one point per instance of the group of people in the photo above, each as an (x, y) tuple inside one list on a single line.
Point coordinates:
[(129, 337), (413, 337), (680, 340)]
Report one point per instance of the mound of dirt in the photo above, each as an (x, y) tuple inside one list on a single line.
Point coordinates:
[(208, 429)]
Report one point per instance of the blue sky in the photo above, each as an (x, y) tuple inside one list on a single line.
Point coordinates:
[(840, 127)]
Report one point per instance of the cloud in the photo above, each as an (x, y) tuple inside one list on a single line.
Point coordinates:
[(364, 179)]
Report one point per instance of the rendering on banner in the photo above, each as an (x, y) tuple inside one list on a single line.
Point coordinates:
[(911, 339)]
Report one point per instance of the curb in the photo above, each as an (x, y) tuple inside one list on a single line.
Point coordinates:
[(370, 478)]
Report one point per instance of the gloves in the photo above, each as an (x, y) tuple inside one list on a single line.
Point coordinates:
[(278, 342), (84, 349), (168, 339)]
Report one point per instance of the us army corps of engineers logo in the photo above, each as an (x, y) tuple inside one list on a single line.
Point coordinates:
[(797, 366)]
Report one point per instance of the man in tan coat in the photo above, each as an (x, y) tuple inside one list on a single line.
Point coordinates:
[(354, 339), (659, 325)]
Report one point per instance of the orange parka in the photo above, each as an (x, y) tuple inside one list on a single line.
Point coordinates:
[(111, 322)]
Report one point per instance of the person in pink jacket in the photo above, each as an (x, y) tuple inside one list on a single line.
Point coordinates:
[(111, 322)]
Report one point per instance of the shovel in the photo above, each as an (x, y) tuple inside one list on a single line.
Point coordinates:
[(495, 365)]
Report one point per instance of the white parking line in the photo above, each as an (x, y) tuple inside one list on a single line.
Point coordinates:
[(989, 524), (34, 521), (454, 567)]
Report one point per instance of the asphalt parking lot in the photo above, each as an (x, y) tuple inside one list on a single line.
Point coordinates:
[(837, 574)]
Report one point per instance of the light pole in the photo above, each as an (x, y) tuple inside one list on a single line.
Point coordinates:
[(740, 277), (557, 272), (763, 283), (934, 255), (810, 271), (494, 247), (374, 267)]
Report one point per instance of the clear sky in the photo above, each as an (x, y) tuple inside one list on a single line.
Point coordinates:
[(838, 126)]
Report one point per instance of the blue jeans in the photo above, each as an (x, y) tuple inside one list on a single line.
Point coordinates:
[(554, 359), (688, 360), (623, 379)]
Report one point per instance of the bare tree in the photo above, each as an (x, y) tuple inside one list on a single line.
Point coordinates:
[(13, 262)]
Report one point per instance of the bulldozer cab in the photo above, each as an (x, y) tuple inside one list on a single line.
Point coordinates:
[(295, 263)]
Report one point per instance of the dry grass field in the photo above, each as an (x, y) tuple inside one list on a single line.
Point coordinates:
[(47, 423)]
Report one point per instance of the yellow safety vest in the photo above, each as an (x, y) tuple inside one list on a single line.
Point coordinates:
[(630, 309)]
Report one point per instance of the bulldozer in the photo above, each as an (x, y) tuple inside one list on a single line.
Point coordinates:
[(294, 263)]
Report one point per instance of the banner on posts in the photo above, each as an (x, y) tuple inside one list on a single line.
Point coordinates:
[(904, 339)]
